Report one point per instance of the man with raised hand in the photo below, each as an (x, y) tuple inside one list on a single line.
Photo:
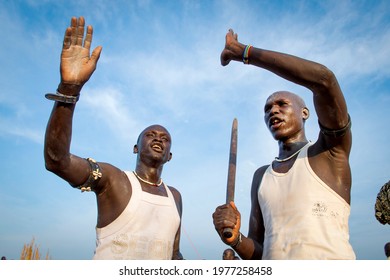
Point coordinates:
[(139, 216), (300, 203)]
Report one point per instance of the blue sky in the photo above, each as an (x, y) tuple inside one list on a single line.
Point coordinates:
[(160, 64)]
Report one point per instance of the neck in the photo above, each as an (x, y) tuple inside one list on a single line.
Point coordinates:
[(149, 175), (288, 151), (156, 184)]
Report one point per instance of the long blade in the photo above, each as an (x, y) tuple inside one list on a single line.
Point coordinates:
[(231, 181)]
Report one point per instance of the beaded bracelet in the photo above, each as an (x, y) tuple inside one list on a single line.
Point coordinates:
[(62, 97), (245, 55)]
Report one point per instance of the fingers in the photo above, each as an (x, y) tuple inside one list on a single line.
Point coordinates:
[(226, 216), (75, 33), (88, 37), (73, 26), (80, 31), (231, 32), (67, 38)]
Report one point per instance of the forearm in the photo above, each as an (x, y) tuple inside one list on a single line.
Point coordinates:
[(59, 131), (309, 74), (248, 249), (58, 137), (328, 99)]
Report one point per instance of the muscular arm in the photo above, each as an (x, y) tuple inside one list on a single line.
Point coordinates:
[(329, 156), (76, 68), (329, 101), (251, 247), (176, 255), (228, 216)]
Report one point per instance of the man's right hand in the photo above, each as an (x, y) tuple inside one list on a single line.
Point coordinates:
[(77, 66), (227, 216), (233, 49)]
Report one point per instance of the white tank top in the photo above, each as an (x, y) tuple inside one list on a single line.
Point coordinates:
[(303, 217), (146, 229)]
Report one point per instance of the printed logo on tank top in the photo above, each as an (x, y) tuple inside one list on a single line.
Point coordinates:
[(320, 209), (139, 247)]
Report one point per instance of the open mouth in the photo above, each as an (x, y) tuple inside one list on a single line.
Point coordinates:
[(157, 147), (274, 123)]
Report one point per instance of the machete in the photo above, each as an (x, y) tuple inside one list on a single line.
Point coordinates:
[(231, 179)]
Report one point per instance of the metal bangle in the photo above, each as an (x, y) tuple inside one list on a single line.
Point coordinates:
[(336, 132), (237, 242), (62, 97)]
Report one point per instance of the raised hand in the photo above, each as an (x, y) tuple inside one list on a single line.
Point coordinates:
[(77, 65), (233, 49)]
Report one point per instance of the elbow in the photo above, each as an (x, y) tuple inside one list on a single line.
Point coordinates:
[(327, 79), (53, 162)]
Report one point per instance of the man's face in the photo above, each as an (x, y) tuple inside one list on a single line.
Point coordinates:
[(228, 255), (284, 114), (154, 145)]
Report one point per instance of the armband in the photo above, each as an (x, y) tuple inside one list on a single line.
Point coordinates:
[(336, 132), (94, 175)]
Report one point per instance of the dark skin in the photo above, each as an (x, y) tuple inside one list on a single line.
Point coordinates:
[(387, 249), (228, 254), (113, 190), (285, 114)]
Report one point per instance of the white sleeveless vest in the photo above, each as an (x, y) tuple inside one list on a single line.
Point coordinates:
[(146, 229), (303, 217)]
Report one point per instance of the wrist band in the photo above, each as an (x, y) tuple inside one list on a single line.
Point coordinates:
[(238, 241), (245, 55), (62, 97)]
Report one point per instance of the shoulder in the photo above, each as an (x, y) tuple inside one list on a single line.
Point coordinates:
[(111, 177), (174, 190), (176, 194), (177, 197), (257, 177)]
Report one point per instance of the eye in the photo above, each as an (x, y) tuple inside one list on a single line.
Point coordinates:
[(282, 103)]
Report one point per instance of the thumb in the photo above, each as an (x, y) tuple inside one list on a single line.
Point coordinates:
[(232, 204), (96, 54)]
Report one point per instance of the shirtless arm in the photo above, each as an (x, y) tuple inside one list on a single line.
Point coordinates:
[(76, 68), (176, 255), (251, 247), (329, 155), (227, 215), (328, 98)]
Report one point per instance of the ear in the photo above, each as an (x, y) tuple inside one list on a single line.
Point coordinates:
[(305, 113), (135, 149), (170, 156)]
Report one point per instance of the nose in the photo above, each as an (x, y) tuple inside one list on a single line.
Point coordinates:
[(274, 110)]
